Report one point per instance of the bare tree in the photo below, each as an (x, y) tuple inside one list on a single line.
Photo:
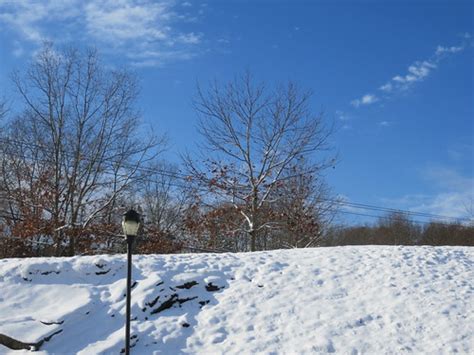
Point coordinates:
[(397, 228), (79, 136), (216, 227), (3, 108), (469, 208), (3, 201), (252, 137), (305, 207), (164, 198)]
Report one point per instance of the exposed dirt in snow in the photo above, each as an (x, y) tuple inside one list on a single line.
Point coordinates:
[(352, 300)]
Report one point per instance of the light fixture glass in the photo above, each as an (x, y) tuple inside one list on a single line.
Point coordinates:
[(131, 223)]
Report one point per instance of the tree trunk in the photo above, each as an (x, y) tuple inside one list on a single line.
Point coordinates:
[(253, 238)]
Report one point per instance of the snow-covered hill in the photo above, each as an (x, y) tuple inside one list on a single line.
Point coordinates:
[(346, 300)]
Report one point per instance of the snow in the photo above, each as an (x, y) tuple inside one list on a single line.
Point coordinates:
[(350, 300)]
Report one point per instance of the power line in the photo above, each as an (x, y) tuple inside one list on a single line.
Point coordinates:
[(86, 158), (388, 218), (183, 177), (393, 210)]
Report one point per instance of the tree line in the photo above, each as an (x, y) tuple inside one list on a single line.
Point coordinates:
[(74, 156), (396, 228)]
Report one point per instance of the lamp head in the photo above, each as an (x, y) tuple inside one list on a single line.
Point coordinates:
[(131, 223)]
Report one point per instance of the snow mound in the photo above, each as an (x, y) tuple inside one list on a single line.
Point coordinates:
[(366, 299)]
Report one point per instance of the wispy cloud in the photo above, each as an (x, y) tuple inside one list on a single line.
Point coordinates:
[(459, 152), (29, 18), (124, 26), (344, 119), (367, 99), (190, 38), (124, 21), (341, 115), (448, 179), (455, 194), (416, 72), (440, 49), (17, 49), (386, 87), (449, 204), (223, 41)]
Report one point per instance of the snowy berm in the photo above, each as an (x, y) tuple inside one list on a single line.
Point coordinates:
[(348, 300)]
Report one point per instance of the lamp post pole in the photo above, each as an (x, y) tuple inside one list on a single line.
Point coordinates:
[(130, 225), (129, 295)]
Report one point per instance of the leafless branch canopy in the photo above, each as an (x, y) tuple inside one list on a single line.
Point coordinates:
[(76, 146), (253, 136)]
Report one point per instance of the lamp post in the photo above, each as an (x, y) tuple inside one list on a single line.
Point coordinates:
[(130, 225)]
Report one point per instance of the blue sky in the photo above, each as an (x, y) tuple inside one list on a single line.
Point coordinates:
[(396, 76)]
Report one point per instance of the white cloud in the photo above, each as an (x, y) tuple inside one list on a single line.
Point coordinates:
[(190, 38), (29, 17), (454, 196), (384, 123), (449, 204), (455, 192), (18, 50), (416, 72), (367, 99), (386, 87), (355, 102), (123, 26), (453, 49), (342, 116), (448, 179), (122, 21), (461, 152), (158, 58)]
